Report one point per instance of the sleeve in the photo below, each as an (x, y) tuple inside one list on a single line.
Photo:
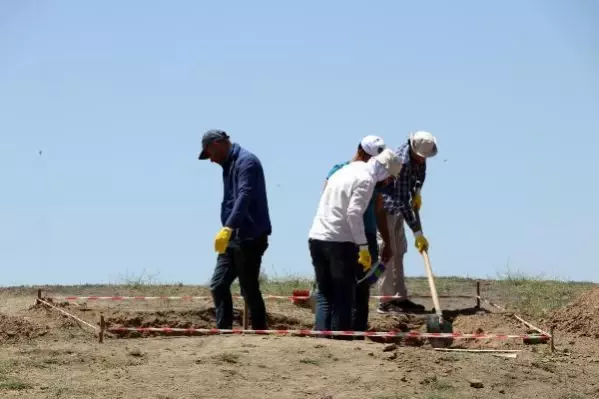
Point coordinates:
[(358, 202), (404, 195), (333, 170), (248, 171), (422, 174)]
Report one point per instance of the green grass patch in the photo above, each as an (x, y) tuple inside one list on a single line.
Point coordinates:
[(535, 296)]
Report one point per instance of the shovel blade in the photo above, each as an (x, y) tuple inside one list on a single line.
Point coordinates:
[(436, 324)]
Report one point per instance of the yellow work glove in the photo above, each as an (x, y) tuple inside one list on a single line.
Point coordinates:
[(364, 258), (221, 242), (421, 242), (416, 202)]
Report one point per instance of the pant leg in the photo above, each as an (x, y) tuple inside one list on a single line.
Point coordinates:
[(220, 286), (362, 298), (248, 260), (344, 266), (324, 284), (392, 282)]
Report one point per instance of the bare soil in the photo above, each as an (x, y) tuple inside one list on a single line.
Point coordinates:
[(47, 355), (581, 317)]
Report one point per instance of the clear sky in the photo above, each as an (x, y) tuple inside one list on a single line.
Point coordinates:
[(117, 94)]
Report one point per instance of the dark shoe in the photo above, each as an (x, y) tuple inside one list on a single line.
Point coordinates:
[(388, 308), (408, 306)]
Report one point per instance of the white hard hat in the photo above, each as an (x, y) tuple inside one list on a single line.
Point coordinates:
[(423, 143), (372, 145), (390, 162)]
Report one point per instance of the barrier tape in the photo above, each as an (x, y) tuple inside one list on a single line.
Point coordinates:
[(95, 328), (191, 298), (527, 324), (387, 334)]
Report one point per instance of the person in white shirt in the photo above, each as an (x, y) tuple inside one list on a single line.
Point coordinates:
[(337, 240), (375, 219)]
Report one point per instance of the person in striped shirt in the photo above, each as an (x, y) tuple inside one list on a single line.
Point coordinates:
[(400, 200)]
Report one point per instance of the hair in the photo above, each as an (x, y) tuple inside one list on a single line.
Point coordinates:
[(361, 149)]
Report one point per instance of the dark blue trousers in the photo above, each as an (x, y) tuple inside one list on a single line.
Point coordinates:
[(362, 298), (361, 295), (242, 260), (336, 267)]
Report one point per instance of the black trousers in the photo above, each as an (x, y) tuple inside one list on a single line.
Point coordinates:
[(336, 267), (242, 260)]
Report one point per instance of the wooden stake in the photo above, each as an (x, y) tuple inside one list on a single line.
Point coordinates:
[(478, 295), (245, 315), (39, 296), (102, 328), (551, 331)]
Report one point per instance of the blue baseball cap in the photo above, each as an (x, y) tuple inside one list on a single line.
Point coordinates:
[(211, 136)]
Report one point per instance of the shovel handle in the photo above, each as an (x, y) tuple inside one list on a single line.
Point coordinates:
[(431, 283), (428, 268)]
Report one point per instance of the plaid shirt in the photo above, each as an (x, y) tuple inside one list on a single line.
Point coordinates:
[(397, 196)]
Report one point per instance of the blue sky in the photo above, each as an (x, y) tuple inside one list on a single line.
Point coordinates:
[(117, 95)]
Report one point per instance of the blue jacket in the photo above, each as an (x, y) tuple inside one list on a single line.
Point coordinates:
[(245, 204)]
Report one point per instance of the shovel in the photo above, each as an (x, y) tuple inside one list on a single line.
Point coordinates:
[(435, 323)]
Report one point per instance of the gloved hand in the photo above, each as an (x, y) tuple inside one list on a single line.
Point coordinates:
[(416, 202), (221, 242), (364, 258), (421, 242)]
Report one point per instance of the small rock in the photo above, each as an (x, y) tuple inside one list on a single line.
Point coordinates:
[(403, 379), (357, 348), (327, 397), (476, 383), (11, 333), (370, 354), (502, 391), (391, 356), (429, 380), (389, 347)]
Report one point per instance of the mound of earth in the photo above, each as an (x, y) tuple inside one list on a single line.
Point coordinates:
[(580, 316), (13, 329)]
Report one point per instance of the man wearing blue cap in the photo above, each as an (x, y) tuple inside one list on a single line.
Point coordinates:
[(243, 239)]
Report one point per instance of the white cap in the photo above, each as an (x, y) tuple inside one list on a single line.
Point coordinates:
[(372, 145), (390, 162), (424, 144)]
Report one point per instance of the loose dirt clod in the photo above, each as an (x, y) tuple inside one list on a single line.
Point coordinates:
[(580, 316), (13, 328), (474, 383)]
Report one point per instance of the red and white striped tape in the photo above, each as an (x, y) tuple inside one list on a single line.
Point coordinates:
[(388, 334), (192, 298)]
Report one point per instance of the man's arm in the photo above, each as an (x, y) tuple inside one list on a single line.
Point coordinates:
[(404, 195), (358, 202), (249, 170)]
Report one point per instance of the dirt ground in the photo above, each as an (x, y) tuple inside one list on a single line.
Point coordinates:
[(46, 355)]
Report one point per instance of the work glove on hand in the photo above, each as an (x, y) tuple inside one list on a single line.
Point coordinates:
[(364, 258), (416, 202), (221, 242), (421, 242)]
